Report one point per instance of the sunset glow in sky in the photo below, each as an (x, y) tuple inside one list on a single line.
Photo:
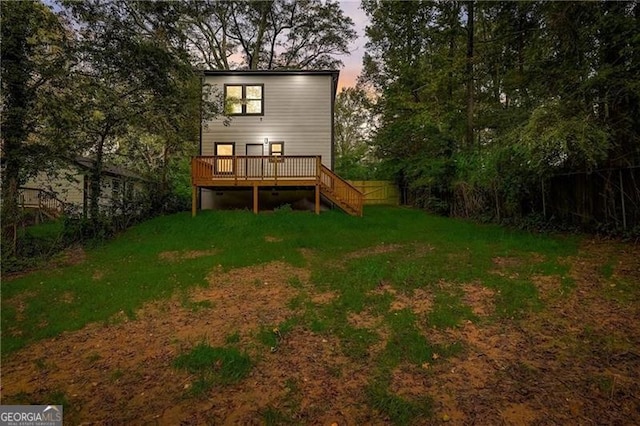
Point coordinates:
[(353, 62)]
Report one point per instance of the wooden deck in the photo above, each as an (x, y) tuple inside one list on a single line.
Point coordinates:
[(259, 171)]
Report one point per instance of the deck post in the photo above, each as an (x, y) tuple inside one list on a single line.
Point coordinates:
[(317, 198), (318, 167), (255, 199), (194, 200)]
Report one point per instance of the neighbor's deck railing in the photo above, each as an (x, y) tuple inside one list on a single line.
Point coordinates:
[(43, 201), (240, 168)]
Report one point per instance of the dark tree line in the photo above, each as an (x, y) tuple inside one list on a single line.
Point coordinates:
[(483, 102)]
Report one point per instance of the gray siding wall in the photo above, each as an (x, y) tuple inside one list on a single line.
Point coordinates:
[(297, 111)]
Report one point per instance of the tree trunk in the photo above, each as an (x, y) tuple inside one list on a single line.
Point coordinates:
[(96, 180), (265, 7), (469, 136), (18, 101)]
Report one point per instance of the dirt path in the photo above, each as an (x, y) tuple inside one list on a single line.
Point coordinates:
[(575, 362)]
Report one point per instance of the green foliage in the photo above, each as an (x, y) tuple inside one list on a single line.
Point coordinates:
[(553, 90), (398, 409), (213, 366), (404, 142), (34, 71), (353, 119), (557, 139), (35, 244)]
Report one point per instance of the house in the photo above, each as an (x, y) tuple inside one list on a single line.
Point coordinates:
[(68, 188), (273, 145)]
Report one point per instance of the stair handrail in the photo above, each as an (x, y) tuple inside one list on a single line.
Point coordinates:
[(46, 199), (353, 198)]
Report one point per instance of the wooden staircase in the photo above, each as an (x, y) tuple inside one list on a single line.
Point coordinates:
[(340, 192), (44, 203)]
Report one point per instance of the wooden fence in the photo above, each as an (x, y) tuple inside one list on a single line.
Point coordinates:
[(601, 200), (378, 191), (604, 198)]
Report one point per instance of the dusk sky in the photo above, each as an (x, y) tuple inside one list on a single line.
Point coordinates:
[(353, 63)]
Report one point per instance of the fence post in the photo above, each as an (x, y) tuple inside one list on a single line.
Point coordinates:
[(544, 204), (624, 212)]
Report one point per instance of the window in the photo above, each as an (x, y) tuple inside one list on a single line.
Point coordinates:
[(276, 149), (115, 190), (244, 99), (225, 150)]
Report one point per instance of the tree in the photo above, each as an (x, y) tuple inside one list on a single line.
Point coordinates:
[(156, 94), (354, 125), (469, 69), (274, 34), (33, 63), (483, 100)]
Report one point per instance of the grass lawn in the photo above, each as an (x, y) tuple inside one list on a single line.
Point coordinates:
[(398, 296)]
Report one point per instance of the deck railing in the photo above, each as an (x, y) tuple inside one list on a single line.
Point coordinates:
[(247, 168), (293, 170), (40, 199)]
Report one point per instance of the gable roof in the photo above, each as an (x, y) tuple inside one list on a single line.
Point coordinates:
[(109, 169)]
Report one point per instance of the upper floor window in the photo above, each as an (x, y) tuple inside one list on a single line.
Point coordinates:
[(244, 99)]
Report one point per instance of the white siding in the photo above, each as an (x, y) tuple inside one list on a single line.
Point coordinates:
[(297, 111), (67, 184)]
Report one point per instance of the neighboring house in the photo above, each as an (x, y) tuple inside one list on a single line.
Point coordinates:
[(70, 187), (273, 145)]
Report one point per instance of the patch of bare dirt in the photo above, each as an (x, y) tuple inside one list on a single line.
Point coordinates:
[(481, 299), (507, 262), (383, 288), (272, 239), (129, 362), (178, 256), (420, 301), (324, 298), (307, 254), (549, 286), (72, 256), (410, 381), (67, 297), (19, 303), (519, 414), (372, 251), (504, 265), (365, 319), (98, 274)]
